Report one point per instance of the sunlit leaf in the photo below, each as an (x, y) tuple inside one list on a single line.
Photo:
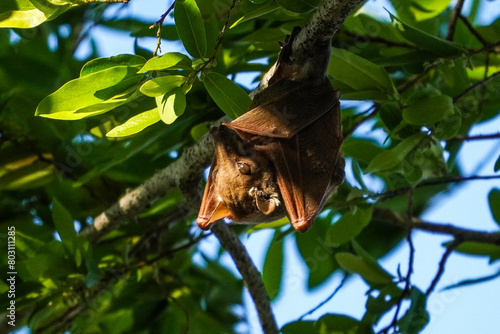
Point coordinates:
[(168, 60), (162, 85), (135, 124), (28, 14), (190, 27), (99, 64), (171, 105), (89, 91)]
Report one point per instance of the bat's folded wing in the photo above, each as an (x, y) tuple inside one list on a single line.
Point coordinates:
[(305, 166), (285, 108)]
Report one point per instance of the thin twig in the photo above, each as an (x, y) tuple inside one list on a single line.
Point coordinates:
[(219, 39), (327, 299), (251, 276), (361, 121), (159, 24), (174, 250), (407, 279), (474, 31), (432, 182), (442, 264), (376, 39), (459, 233), (475, 86), (455, 14), (478, 137)]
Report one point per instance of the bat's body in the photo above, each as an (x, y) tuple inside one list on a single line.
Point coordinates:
[(281, 157)]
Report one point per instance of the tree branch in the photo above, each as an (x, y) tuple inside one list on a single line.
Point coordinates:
[(455, 14), (478, 137), (321, 27), (477, 85), (457, 233), (442, 263), (251, 276)]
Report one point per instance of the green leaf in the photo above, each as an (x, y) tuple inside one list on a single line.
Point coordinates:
[(168, 60), (427, 9), (359, 73), (299, 327), (317, 253), (348, 226), (28, 14), (64, 223), (90, 91), (455, 74), (497, 165), (198, 131), (32, 175), (427, 41), (477, 248), (162, 85), (262, 10), (494, 201), (371, 274), (230, 97), (99, 64), (361, 149), (391, 158), (429, 110), (171, 105), (299, 6), (449, 126), (190, 27), (135, 124), (273, 267), (338, 323), (416, 318)]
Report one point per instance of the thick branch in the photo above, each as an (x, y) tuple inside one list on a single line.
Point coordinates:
[(321, 27), (251, 276)]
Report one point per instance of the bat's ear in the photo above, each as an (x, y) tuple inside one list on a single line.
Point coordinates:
[(212, 207)]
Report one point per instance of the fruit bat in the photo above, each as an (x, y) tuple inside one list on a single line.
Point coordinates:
[(282, 157)]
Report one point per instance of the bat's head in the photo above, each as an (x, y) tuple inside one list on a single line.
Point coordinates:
[(241, 185)]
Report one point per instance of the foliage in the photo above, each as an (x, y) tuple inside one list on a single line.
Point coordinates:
[(99, 120)]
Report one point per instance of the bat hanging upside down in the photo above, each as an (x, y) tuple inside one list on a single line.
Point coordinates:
[(282, 157)]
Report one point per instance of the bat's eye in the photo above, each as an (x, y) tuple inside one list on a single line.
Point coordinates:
[(244, 168)]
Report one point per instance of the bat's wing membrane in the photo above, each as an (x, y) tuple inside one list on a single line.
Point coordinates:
[(291, 107), (305, 169), (212, 208)]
